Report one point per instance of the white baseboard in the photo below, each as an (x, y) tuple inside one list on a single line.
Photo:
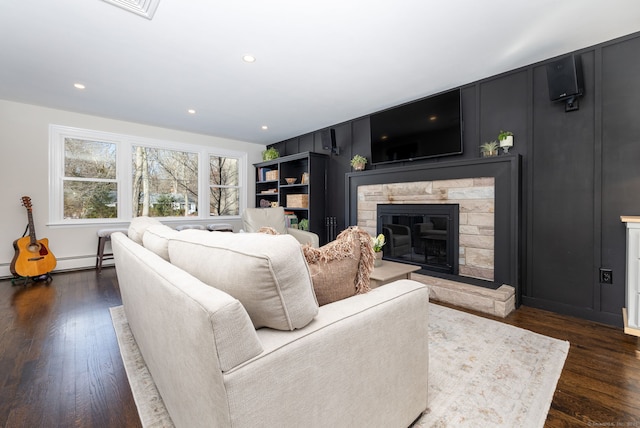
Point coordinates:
[(64, 264)]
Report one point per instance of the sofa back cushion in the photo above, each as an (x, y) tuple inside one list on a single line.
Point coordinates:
[(266, 273), (138, 226), (156, 239)]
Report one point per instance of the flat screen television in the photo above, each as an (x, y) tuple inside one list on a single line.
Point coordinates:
[(428, 128)]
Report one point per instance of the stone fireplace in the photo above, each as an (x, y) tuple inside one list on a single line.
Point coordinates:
[(475, 199), (487, 192)]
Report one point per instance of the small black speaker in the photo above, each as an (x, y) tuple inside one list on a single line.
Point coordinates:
[(328, 137), (564, 77)]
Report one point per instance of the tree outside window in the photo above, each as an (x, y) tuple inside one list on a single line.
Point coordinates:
[(224, 186), (165, 183), (89, 185)]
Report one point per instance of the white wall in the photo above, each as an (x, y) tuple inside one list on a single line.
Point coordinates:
[(24, 171)]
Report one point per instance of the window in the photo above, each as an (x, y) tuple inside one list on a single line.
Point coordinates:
[(165, 183), (224, 185), (98, 177), (90, 188)]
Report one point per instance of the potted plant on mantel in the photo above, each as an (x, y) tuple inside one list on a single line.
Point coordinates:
[(489, 149), (358, 162), (506, 140)]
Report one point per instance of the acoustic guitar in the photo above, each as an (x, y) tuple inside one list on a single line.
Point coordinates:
[(33, 257)]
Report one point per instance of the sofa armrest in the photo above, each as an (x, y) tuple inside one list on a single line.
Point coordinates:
[(367, 355), (188, 332), (305, 237)]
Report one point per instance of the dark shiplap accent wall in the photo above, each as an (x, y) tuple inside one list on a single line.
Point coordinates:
[(580, 172)]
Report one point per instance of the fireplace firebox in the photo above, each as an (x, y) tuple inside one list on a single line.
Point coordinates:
[(422, 234)]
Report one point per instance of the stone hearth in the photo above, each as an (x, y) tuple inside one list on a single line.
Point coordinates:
[(500, 302)]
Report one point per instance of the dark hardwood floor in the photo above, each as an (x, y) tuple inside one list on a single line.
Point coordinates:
[(60, 365)]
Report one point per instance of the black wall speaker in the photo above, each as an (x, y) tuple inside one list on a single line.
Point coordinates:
[(564, 77), (328, 137)]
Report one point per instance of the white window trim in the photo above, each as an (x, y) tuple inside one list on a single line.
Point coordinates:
[(124, 146)]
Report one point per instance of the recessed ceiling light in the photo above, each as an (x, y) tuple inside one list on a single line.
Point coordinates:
[(264, 127), (433, 118), (249, 58), (191, 111), (78, 86)]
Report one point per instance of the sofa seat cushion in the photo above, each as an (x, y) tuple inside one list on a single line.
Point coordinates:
[(139, 225), (342, 268), (266, 273)]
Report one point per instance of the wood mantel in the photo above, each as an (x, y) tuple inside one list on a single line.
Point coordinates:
[(630, 218)]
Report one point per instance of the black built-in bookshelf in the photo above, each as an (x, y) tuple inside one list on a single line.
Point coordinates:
[(306, 197)]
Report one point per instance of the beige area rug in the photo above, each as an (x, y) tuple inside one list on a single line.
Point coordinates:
[(148, 401), (481, 373)]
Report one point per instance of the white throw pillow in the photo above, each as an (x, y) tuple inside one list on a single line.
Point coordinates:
[(268, 274)]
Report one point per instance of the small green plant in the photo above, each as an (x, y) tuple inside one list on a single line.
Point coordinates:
[(358, 162), (270, 154), (506, 140), (378, 243), (303, 224), (504, 134), (489, 148)]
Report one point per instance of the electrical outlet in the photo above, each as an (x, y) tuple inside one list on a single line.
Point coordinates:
[(606, 276)]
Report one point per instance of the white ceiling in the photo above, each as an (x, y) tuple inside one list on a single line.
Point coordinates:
[(319, 63)]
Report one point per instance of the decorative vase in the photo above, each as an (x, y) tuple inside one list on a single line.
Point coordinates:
[(358, 167), (506, 142), (490, 153), (377, 261)]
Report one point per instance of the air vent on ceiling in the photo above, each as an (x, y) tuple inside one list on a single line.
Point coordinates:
[(144, 8)]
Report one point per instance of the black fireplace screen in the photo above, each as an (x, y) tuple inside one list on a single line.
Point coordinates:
[(421, 234)]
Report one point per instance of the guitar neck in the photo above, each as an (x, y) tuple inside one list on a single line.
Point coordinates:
[(32, 228)]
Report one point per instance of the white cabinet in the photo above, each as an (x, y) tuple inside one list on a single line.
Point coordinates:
[(633, 272)]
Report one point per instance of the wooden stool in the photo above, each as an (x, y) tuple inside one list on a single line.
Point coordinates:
[(104, 235)]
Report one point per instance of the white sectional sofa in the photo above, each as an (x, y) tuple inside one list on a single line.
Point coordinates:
[(231, 332)]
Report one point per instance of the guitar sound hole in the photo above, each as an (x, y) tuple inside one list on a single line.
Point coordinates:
[(34, 248)]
